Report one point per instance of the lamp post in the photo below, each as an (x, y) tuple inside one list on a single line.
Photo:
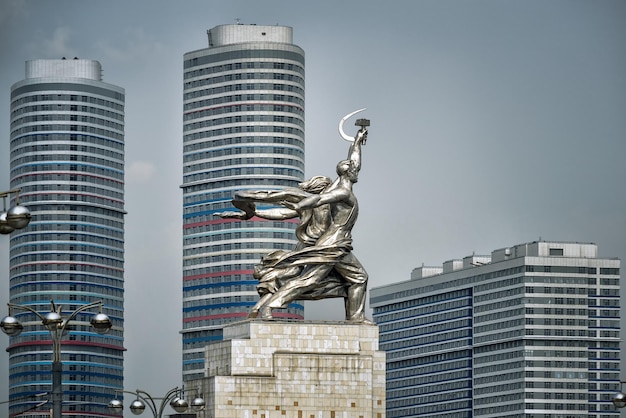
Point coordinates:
[(174, 396), (619, 399), (57, 325), (16, 217)]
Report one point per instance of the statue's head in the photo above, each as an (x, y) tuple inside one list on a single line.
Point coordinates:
[(348, 168), (315, 184)]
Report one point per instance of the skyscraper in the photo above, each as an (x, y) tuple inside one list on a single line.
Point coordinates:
[(243, 128), (67, 156), (531, 331)]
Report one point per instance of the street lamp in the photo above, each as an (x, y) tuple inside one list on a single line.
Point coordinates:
[(57, 325), (619, 399), (174, 396), (16, 217)]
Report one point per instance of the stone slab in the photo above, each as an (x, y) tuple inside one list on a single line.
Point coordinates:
[(295, 369)]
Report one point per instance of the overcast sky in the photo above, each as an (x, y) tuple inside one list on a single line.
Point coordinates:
[(493, 123)]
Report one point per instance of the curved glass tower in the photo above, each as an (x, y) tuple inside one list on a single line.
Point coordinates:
[(67, 156), (243, 126)]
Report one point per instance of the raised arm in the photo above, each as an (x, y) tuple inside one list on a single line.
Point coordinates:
[(354, 153)]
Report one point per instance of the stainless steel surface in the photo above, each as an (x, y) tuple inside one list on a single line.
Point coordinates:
[(322, 265)]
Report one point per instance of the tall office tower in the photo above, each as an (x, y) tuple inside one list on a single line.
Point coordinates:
[(531, 331), (67, 156), (243, 126)]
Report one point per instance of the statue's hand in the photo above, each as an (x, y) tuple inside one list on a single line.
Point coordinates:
[(361, 136)]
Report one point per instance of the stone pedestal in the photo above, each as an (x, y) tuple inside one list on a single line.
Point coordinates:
[(299, 369)]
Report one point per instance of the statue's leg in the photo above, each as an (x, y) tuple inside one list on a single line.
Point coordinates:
[(254, 312), (294, 288), (266, 312), (350, 268), (356, 302)]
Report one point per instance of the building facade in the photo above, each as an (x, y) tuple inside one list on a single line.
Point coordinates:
[(67, 156), (531, 331), (243, 129)]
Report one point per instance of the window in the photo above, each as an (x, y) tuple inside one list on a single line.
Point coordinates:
[(556, 251)]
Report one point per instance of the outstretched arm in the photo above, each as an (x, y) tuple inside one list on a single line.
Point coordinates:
[(232, 214), (270, 196), (245, 201), (276, 214), (313, 201), (354, 153)]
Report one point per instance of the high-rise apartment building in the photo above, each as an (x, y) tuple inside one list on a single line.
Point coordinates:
[(531, 331), (243, 128), (67, 156)]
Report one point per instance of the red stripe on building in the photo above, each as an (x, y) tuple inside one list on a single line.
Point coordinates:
[(221, 221), (220, 274)]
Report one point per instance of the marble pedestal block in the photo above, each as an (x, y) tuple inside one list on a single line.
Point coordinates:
[(299, 369)]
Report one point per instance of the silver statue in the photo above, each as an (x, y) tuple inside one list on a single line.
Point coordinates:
[(322, 265)]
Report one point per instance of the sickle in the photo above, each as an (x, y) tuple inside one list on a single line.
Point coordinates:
[(348, 116)]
